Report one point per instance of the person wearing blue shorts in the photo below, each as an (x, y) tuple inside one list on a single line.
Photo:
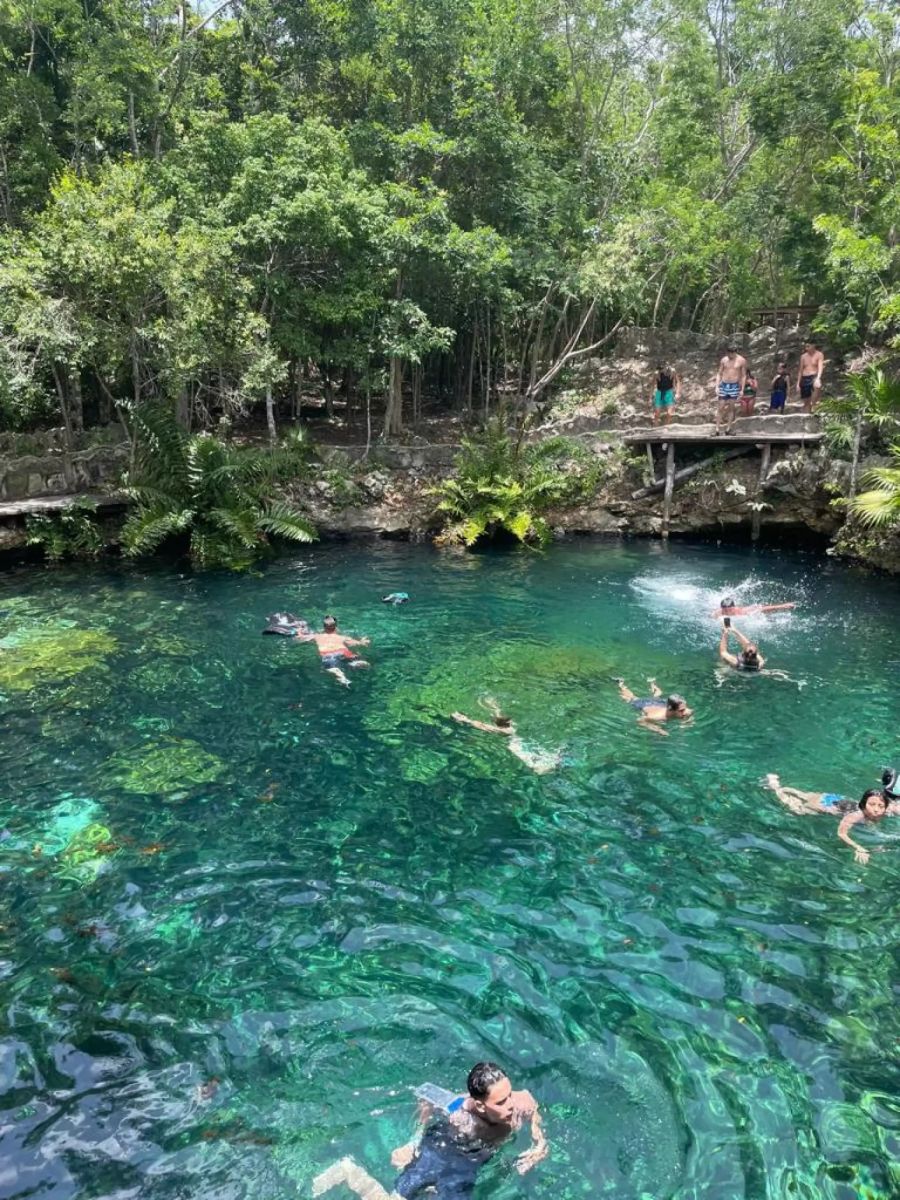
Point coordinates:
[(781, 385), (666, 390), (875, 805), (730, 380)]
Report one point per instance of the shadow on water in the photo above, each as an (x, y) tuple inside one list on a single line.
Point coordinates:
[(245, 911)]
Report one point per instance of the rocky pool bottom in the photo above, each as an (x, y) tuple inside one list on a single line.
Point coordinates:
[(245, 911)]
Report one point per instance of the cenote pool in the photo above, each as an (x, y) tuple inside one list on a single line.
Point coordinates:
[(244, 911)]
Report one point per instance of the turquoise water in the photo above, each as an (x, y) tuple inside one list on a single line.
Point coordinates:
[(244, 910)]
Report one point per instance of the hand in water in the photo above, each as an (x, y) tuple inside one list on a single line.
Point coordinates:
[(402, 1156), (861, 856), (529, 1159)]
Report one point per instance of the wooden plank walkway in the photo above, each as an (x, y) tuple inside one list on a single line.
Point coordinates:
[(686, 437)]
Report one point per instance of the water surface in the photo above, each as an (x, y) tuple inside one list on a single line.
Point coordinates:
[(243, 910)]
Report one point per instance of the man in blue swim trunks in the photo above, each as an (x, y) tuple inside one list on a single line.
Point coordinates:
[(443, 1161), (334, 650), (730, 380), (653, 709)]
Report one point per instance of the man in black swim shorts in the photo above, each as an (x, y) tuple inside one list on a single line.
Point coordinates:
[(334, 650)]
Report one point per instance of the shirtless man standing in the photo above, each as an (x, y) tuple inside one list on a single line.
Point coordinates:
[(729, 385), (334, 649), (809, 377)]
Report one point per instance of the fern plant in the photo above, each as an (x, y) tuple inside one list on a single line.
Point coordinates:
[(501, 484), (217, 494), (879, 507), (70, 533)]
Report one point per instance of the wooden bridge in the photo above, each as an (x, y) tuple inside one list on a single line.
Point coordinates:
[(747, 435)]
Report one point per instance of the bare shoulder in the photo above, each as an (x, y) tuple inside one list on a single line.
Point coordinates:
[(526, 1103)]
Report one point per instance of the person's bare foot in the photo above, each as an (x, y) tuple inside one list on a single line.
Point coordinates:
[(773, 782)]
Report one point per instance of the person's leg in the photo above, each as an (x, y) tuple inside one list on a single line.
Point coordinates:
[(655, 689), (797, 801), (358, 662), (339, 675), (357, 1179), (625, 692)]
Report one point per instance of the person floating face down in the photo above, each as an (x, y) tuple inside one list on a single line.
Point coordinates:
[(334, 650), (539, 761), (653, 708), (749, 658), (875, 805)]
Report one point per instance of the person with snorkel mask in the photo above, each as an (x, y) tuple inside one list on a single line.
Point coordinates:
[(749, 658)]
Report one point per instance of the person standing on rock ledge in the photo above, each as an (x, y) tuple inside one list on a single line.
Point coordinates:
[(809, 377), (730, 380)]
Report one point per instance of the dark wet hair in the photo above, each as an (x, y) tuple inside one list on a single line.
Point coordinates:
[(731, 347), (482, 1078), (326, 621), (890, 781), (503, 722), (728, 602), (867, 796), (674, 702), (750, 654)]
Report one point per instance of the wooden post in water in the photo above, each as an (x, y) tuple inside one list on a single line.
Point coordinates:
[(763, 473), (670, 487)]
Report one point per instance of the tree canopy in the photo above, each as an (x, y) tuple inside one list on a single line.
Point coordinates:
[(207, 206)]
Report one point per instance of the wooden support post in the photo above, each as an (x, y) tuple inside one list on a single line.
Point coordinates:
[(650, 461), (763, 474), (687, 472), (670, 487)]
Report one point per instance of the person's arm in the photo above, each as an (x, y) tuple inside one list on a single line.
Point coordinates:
[(349, 641), (743, 378), (719, 374), (820, 368), (725, 656), (745, 641), (539, 1148), (676, 380), (851, 819), (775, 607), (464, 720), (403, 1155)]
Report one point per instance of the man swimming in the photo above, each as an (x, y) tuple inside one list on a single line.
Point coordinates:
[(874, 806), (450, 1148), (539, 761), (809, 376), (653, 708), (334, 650), (728, 608), (730, 380)]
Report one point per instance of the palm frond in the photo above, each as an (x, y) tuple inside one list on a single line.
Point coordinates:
[(286, 522)]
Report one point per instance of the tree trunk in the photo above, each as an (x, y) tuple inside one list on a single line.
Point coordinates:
[(329, 397), (59, 372), (854, 464), (270, 415), (76, 403), (183, 409), (393, 414)]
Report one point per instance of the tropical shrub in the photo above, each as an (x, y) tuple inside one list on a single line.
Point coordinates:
[(879, 507), (503, 483), (216, 493), (70, 533)]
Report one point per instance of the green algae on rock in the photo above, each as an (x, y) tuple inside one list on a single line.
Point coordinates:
[(42, 656), (163, 766)]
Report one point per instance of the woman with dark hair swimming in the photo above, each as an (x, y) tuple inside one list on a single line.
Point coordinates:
[(872, 808)]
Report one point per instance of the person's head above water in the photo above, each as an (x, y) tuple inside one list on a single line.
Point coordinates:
[(750, 656), (676, 706), (727, 605), (890, 783), (503, 722), (490, 1089), (873, 804), (329, 624)]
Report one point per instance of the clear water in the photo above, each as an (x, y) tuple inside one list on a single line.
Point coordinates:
[(243, 910)]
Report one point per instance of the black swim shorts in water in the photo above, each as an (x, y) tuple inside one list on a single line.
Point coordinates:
[(338, 659), (442, 1165)]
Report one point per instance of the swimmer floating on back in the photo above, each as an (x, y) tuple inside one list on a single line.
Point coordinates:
[(334, 650), (872, 808), (654, 708), (728, 608), (539, 761)]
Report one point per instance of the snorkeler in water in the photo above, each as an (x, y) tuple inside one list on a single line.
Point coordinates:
[(749, 658), (539, 761), (872, 808), (728, 608), (653, 708)]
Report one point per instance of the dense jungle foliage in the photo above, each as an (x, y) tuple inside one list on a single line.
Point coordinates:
[(223, 206)]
